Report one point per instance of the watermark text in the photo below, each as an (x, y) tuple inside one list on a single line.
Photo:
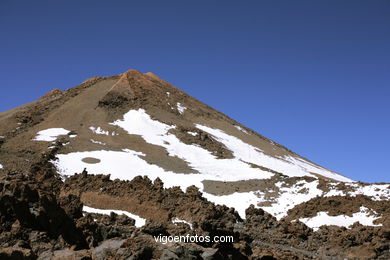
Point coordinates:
[(193, 239)]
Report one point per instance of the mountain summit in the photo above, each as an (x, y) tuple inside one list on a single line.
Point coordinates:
[(136, 124)]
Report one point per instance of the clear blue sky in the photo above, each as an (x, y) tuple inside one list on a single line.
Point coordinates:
[(311, 75)]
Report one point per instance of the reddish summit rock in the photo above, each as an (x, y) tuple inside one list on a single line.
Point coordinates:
[(52, 93)]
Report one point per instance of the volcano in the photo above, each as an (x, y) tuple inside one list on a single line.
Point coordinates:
[(133, 143)]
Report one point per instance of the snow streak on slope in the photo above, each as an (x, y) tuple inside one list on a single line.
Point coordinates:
[(139, 222), (241, 129), (312, 168), (290, 166), (1, 166), (50, 134), (323, 218)]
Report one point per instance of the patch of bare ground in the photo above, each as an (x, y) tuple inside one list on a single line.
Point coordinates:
[(91, 160), (202, 139), (324, 185), (227, 187)]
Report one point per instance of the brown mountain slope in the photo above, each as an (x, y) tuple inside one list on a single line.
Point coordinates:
[(99, 101)]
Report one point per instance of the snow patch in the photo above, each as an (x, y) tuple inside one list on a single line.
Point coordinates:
[(99, 131), (97, 142), (180, 108), (241, 129), (1, 166), (139, 222), (322, 218), (289, 197), (192, 133), (50, 134), (177, 220), (334, 192), (240, 201)]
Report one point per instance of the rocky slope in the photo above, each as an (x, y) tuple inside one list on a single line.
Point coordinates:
[(137, 145)]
